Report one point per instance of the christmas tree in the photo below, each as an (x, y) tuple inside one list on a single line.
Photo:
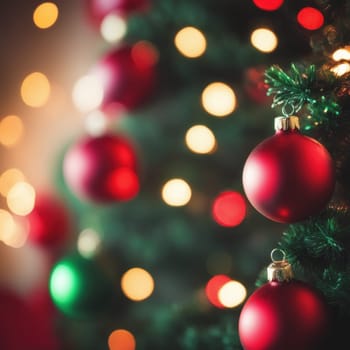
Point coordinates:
[(140, 207)]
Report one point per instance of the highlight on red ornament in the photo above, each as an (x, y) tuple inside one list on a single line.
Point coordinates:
[(229, 209), (268, 5), (310, 18)]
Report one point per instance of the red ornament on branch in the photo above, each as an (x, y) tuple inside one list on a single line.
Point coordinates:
[(284, 313), (102, 169), (289, 177)]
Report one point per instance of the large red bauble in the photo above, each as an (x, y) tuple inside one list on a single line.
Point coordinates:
[(289, 177), (284, 315), (102, 169), (127, 76), (50, 222)]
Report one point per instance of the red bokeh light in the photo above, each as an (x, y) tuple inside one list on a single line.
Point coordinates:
[(310, 18), (268, 5), (229, 209), (212, 289)]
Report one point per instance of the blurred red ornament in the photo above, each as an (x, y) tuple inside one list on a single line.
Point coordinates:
[(284, 314), (213, 287), (310, 18), (289, 176), (102, 169), (49, 222), (255, 86), (127, 76), (98, 9), (268, 5), (229, 209)]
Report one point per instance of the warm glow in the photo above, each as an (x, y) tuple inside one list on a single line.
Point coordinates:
[(231, 294), (45, 15), (264, 40), (341, 54), (87, 93), (35, 89), (17, 237), (212, 289), (137, 284), (7, 224), (21, 198), (218, 99), (121, 339), (176, 192), (113, 28), (88, 243), (9, 178), (310, 18), (96, 123), (341, 69), (11, 130), (200, 139), (190, 42)]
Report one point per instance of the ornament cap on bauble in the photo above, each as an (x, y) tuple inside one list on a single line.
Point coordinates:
[(279, 270), (289, 123)]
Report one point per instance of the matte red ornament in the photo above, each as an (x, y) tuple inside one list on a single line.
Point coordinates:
[(127, 76), (102, 169), (284, 314), (289, 176), (98, 9)]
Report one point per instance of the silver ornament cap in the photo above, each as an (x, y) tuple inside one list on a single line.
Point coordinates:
[(287, 123), (279, 270)]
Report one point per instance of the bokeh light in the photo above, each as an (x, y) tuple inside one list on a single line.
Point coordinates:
[(232, 294), (190, 42), (35, 89), (87, 93), (113, 28), (88, 243), (310, 18), (212, 289), (96, 123), (11, 130), (17, 237), (45, 15), (200, 139), (219, 99), (268, 5), (137, 284), (7, 223), (341, 69), (341, 54), (264, 40), (176, 192), (121, 339), (9, 178), (229, 209), (21, 198)]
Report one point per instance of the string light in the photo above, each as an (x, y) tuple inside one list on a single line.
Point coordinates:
[(45, 15), (113, 28), (268, 5), (200, 139), (137, 284), (341, 69), (341, 54), (88, 243), (35, 89), (121, 339), (232, 294), (21, 198), (11, 130), (176, 192), (264, 40), (9, 178), (219, 99), (310, 18), (190, 42)]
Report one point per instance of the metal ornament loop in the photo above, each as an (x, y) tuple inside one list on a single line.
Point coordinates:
[(279, 252), (285, 107)]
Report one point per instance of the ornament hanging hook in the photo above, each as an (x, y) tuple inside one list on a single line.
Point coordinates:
[(276, 254), (288, 108)]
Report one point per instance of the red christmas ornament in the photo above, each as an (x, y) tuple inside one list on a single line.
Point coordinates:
[(127, 76), (289, 177), (49, 222), (283, 314), (98, 9), (102, 169)]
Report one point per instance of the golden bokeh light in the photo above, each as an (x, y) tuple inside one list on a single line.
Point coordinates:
[(113, 28), (341, 69), (21, 198), (45, 15), (96, 123), (190, 42), (264, 40), (88, 93), (17, 237), (35, 89), (9, 178), (341, 54), (121, 339), (219, 99), (7, 224), (232, 294), (137, 284), (88, 243), (176, 192), (200, 139), (11, 130)]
